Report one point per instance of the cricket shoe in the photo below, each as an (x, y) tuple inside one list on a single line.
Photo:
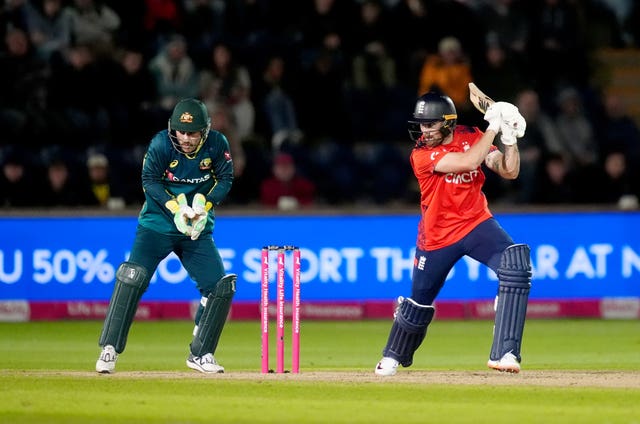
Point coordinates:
[(387, 367), (508, 363), (205, 363), (106, 363)]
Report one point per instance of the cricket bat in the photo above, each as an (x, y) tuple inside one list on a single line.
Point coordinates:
[(480, 100)]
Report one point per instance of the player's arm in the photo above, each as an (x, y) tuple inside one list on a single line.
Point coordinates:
[(477, 153), (223, 171), (506, 164), (469, 160), (513, 126), (153, 168)]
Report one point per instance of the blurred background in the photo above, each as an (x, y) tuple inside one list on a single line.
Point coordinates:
[(85, 84)]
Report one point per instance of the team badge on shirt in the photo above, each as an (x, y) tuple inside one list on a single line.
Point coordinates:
[(205, 164)]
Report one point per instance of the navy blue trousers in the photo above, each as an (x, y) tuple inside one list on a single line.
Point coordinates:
[(485, 244)]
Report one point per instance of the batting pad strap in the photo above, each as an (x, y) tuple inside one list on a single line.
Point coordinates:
[(132, 281), (408, 330), (216, 308)]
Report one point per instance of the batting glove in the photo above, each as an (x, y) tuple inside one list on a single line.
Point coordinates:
[(182, 213), (512, 129), (201, 210), (493, 117)]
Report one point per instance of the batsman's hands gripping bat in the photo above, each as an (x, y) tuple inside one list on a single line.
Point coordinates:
[(201, 213), (182, 213), (493, 117), (513, 125)]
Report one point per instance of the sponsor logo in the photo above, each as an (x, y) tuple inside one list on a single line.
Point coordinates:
[(173, 163), (174, 178), (461, 178)]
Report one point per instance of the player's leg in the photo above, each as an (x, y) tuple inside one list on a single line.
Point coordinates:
[(203, 262), (132, 280), (514, 275), (512, 264), (413, 315)]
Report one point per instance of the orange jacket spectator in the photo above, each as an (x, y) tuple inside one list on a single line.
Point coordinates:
[(448, 71)]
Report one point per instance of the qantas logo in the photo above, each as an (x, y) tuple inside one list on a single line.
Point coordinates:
[(172, 177)]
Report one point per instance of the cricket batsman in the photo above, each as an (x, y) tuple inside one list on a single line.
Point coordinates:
[(456, 221)]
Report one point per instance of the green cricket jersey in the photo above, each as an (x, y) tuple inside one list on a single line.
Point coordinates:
[(167, 173)]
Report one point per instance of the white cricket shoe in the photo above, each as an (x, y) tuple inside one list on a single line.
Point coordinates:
[(106, 363), (387, 367), (205, 363), (508, 363)]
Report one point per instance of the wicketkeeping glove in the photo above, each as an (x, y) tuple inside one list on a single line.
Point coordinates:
[(182, 213), (201, 213)]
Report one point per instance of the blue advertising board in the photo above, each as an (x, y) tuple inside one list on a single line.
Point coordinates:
[(574, 255)]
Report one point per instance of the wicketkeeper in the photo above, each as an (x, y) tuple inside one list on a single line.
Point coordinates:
[(456, 221), (187, 170)]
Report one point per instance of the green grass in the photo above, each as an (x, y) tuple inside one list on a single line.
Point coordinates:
[(46, 376)]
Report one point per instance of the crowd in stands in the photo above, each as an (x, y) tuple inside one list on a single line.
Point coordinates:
[(323, 86)]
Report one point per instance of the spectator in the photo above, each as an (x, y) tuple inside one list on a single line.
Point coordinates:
[(556, 184), (133, 95), (17, 185), (204, 26), (76, 93), (13, 15), (448, 72), (161, 19), (93, 22), (63, 187), (556, 38), (325, 24), (49, 26), (411, 45), (541, 139), (286, 189), (501, 73), (507, 22), (277, 118), (373, 81), (576, 130), (617, 131), (617, 184), (226, 81), (106, 192), (174, 73), (323, 96), (23, 78)]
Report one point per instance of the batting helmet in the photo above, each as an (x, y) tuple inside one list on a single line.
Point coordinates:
[(433, 107), (189, 115)]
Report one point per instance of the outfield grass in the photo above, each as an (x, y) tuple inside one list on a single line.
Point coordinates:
[(47, 376)]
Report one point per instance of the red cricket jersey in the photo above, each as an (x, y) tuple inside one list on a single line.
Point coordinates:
[(452, 204)]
